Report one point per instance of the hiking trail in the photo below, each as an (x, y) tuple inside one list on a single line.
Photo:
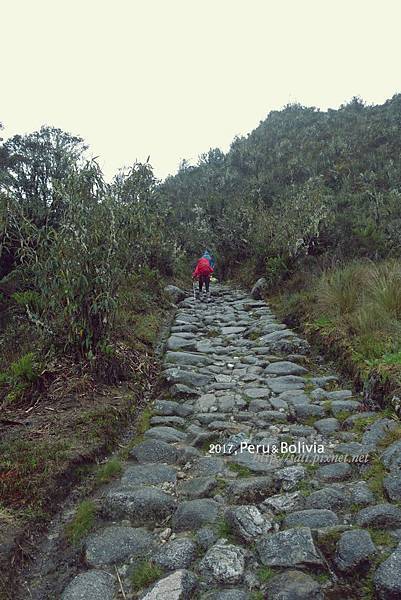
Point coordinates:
[(215, 519)]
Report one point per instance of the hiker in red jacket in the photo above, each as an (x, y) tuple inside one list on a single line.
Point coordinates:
[(202, 272)]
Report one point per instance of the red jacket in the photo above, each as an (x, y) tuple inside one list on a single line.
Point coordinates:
[(202, 268)]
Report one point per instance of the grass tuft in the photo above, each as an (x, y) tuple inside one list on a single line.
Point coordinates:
[(144, 574), (108, 471), (82, 522)]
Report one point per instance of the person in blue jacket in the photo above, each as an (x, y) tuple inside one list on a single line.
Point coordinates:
[(209, 257)]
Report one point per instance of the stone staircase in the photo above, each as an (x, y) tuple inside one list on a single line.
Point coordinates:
[(258, 478)]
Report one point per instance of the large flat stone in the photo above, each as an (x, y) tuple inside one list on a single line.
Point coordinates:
[(285, 368), (293, 585), (290, 548), (165, 434), (148, 474), (116, 544), (92, 585), (193, 514), (380, 516), (178, 586), (387, 578), (142, 505), (153, 451), (313, 518), (223, 563), (354, 549)]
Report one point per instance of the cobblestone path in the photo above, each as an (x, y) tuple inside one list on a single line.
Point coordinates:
[(258, 478)]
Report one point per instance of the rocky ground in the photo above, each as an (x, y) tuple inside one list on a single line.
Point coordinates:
[(199, 513)]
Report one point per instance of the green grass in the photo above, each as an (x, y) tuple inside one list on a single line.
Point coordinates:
[(223, 529), (147, 328), (342, 415), (82, 522), (382, 538), (257, 596), (375, 476), (240, 470), (144, 574), (394, 435), (108, 471), (265, 574)]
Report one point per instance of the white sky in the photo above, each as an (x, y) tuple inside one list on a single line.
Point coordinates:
[(172, 78)]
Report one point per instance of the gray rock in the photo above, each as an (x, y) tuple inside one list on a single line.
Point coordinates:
[(377, 431), (179, 390), (257, 463), (169, 421), (180, 585), (207, 466), (142, 505), (205, 537), (168, 407), (176, 554), (250, 489), (205, 403), (284, 502), (326, 426), (230, 594), (293, 585), (339, 395), (339, 406), (353, 419), (153, 451), (289, 477), (165, 434), (278, 404), (175, 293), (391, 457), (257, 393), (289, 548), (259, 289), (313, 518), (193, 514), (382, 515), (334, 472), (387, 578), (286, 383), (199, 487), (186, 377), (304, 411), (360, 493), (350, 448), (258, 405), (247, 522), (392, 485), (149, 474), (354, 549), (92, 585), (186, 358), (116, 544), (175, 342), (223, 563), (285, 368), (332, 497), (272, 416), (230, 330), (295, 397)]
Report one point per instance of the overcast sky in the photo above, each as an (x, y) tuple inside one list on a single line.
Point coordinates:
[(172, 78)]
